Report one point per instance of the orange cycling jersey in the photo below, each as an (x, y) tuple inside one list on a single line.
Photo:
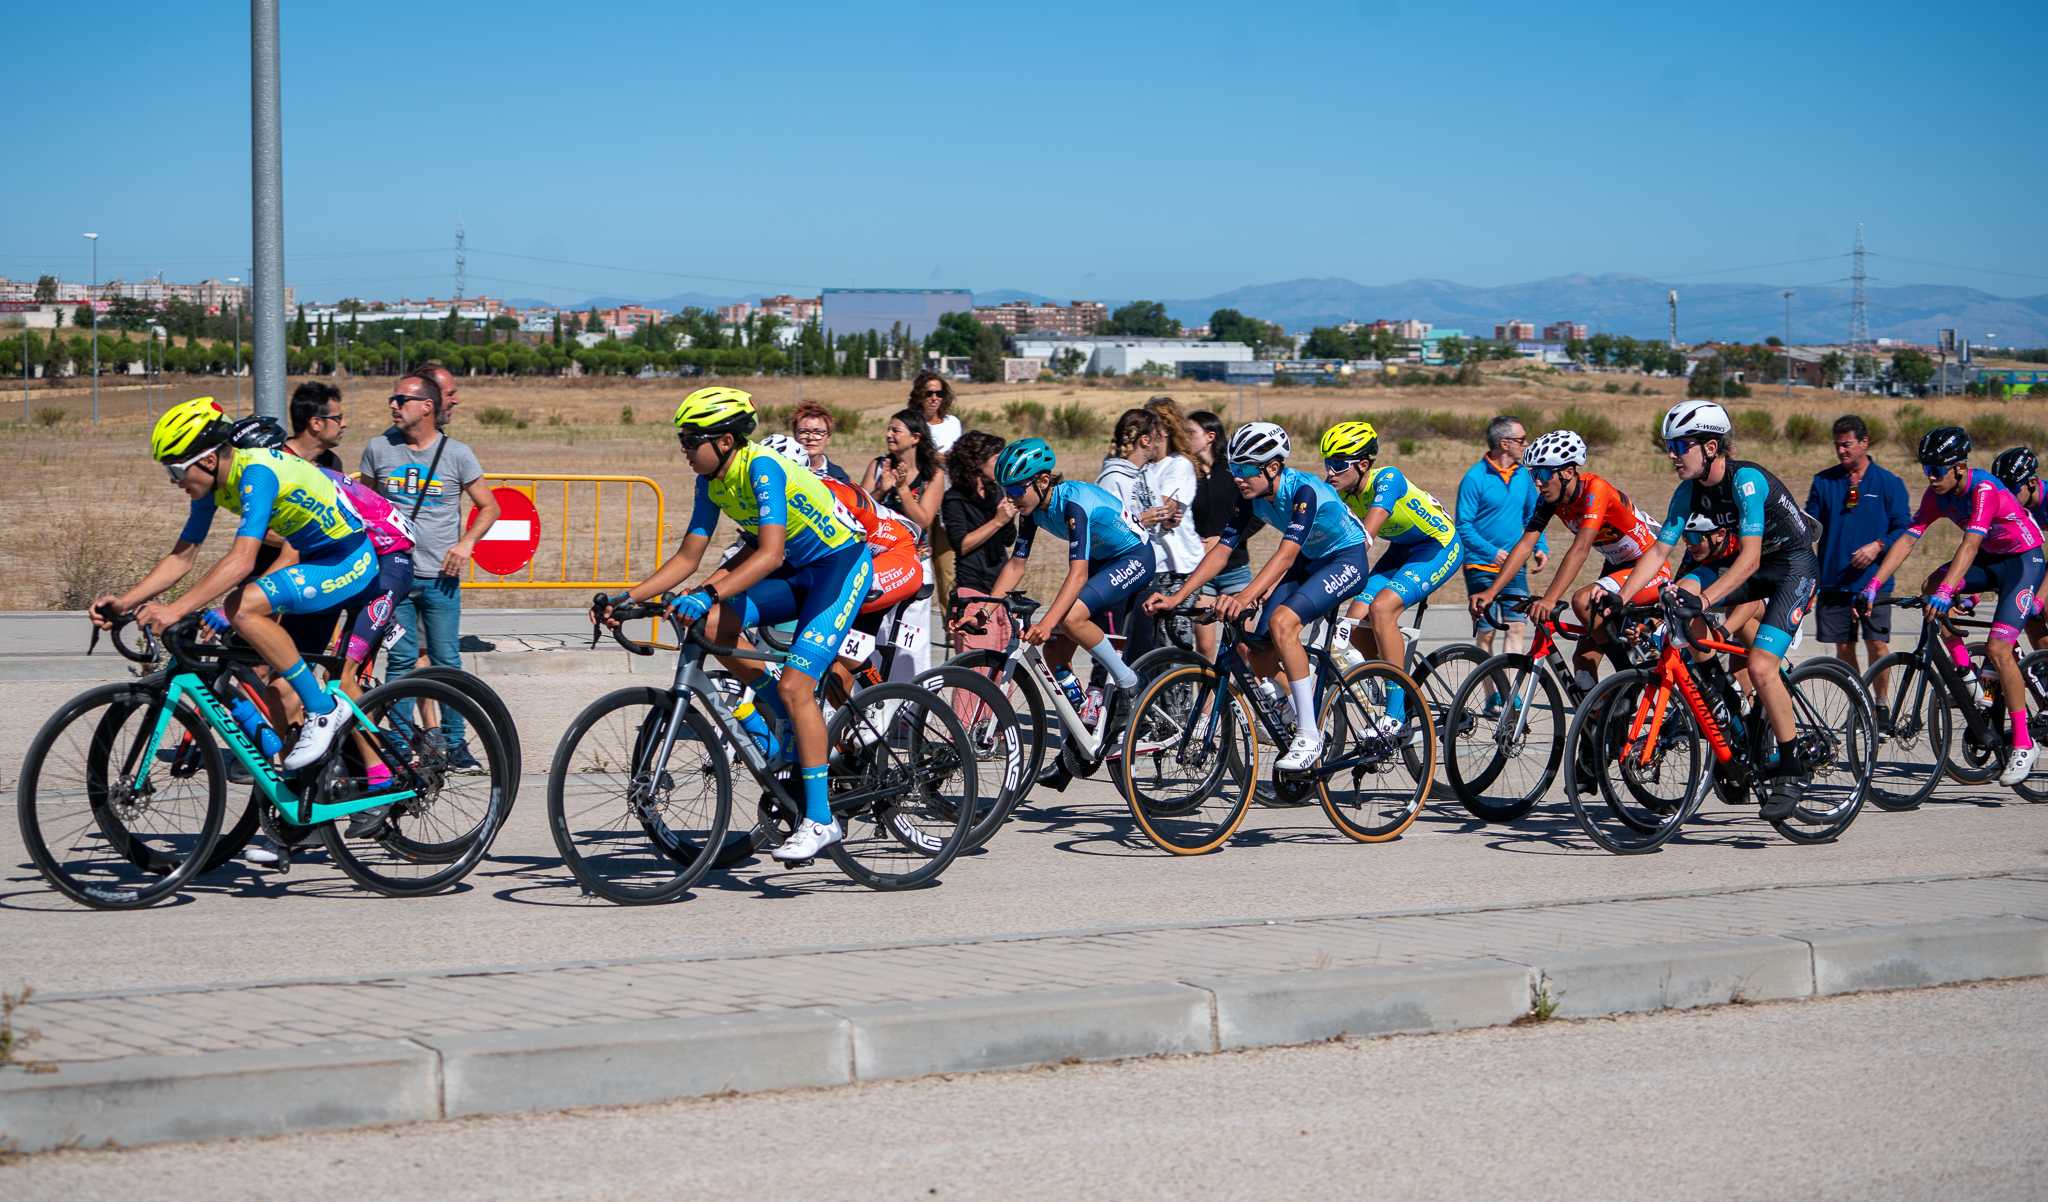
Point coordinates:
[(1624, 532), (898, 566)]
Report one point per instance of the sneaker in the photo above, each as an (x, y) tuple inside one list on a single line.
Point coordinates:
[(368, 823), (1302, 753), (260, 850), (808, 840), (315, 737), (2017, 766), (462, 763)]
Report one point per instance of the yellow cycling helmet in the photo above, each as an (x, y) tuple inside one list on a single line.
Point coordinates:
[(1351, 440), (188, 430), (716, 410)]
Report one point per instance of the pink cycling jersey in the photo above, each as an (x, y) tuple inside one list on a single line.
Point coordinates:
[(1982, 506), (387, 528)]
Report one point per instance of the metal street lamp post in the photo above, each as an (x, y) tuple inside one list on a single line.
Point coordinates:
[(237, 282), (1788, 342), (92, 303)]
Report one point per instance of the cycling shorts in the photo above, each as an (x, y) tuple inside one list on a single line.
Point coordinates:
[(1612, 582), (820, 597), (1114, 580), (1787, 585), (1314, 589), (394, 581), (899, 573), (2016, 577), (324, 578), (1412, 571)]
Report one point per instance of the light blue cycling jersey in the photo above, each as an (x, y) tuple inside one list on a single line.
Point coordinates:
[(280, 493), (760, 488), (1306, 511), (1088, 517)]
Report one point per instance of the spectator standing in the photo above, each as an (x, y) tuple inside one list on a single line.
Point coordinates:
[(425, 474), (1862, 510), (932, 395), (317, 424), (1495, 500), (1175, 474), (1216, 502), (980, 522), (811, 424)]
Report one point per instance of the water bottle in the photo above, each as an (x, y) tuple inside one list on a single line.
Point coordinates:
[(1271, 699), (1091, 705), (1071, 686), (256, 726), (755, 724)]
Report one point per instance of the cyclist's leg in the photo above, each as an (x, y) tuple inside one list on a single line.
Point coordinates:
[(309, 586), (1787, 591), (1314, 591), (1111, 585), (1381, 604), (2015, 578)]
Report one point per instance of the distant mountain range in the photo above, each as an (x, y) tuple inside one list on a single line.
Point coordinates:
[(1616, 304)]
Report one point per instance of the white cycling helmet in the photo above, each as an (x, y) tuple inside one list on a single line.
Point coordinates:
[(787, 447), (1559, 448), (1258, 442), (1689, 419)]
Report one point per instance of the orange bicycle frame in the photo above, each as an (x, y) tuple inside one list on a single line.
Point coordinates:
[(1673, 670)]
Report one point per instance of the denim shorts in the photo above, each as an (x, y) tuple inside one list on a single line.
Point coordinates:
[(1229, 580)]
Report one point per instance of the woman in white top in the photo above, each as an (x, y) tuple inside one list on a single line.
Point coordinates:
[(932, 395), (1174, 473)]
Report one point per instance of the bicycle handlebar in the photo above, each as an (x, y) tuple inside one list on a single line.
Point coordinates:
[(146, 654), (660, 607)]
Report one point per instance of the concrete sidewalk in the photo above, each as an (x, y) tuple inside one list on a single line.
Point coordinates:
[(286, 1055)]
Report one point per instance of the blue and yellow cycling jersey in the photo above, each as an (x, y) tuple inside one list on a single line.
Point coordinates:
[(1089, 518), (1306, 512), (1413, 515), (760, 488), (277, 493)]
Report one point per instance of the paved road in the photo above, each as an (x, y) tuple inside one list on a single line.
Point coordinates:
[(1926, 1094), (1069, 861)]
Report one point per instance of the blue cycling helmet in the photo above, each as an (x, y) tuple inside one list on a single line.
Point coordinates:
[(1022, 460)]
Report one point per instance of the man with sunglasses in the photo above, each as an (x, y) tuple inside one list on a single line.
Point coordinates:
[(1862, 509), (317, 424), (1769, 580), (809, 564), (272, 492), (424, 473), (2001, 551), (1319, 564), (1602, 518)]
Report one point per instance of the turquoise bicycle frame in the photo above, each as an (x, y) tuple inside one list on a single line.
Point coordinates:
[(186, 686)]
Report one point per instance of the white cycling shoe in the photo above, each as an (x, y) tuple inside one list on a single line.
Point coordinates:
[(1302, 753), (808, 840), (1386, 726), (315, 737), (2017, 765)]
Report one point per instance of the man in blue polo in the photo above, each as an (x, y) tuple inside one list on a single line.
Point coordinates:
[(1862, 510), (1495, 500)]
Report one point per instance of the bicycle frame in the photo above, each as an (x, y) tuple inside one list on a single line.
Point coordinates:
[(1981, 726), (185, 687), (1231, 664), (1673, 670)]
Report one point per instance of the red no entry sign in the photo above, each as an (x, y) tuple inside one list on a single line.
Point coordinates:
[(511, 541)]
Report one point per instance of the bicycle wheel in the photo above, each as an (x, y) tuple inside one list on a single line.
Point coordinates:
[(1379, 752), (904, 786), (1440, 674), (96, 834), (1021, 691), (1188, 760), (435, 837), (633, 827), (992, 728), (1915, 725), (1661, 782), (1507, 729), (501, 725), (2035, 669), (1831, 710)]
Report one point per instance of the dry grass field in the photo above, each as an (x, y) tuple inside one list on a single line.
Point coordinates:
[(86, 509)]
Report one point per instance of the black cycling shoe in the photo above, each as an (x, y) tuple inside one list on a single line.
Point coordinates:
[(1783, 793), (368, 823)]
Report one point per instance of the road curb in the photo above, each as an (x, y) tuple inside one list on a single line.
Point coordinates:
[(212, 1095)]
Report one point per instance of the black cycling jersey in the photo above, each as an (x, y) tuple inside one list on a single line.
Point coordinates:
[(1749, 500)]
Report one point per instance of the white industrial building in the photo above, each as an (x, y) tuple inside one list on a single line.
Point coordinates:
[(1121, 355)]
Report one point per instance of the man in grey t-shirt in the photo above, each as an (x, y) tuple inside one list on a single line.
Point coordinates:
[(426, 474)]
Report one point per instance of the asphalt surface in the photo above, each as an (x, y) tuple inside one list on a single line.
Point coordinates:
[(1938, 1093), (1067, 861)]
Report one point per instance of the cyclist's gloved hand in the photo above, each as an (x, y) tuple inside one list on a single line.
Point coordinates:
[(1940, 599), (1865, 602), (694, 605), (1684, 602), (1605, 604), (216, 621)]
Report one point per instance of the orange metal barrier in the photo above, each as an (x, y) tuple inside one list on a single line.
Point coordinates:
[(579, 518)]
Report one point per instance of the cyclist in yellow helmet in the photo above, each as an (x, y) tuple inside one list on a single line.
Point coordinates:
[(1422, 542), (810, 564), (273, 492)]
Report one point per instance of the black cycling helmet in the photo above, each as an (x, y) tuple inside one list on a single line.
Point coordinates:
[(256, 431), (2015, 467), (1944, 446)]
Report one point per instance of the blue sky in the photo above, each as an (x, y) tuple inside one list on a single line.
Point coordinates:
[(1169, 150)]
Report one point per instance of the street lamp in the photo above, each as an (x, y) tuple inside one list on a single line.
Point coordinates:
[(237, 282), (401, 348), (92, 302), (1788, 342)]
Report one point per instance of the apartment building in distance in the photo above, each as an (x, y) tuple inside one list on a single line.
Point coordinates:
[(796, 310), (1564, 331), (211, 295), (1075, 319), (1514, 330)]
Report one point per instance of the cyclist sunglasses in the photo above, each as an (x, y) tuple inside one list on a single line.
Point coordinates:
[(1332, 467), (1016, 491), (1678, 446), (1937, 471), (1245, 471), (1542, 475)]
